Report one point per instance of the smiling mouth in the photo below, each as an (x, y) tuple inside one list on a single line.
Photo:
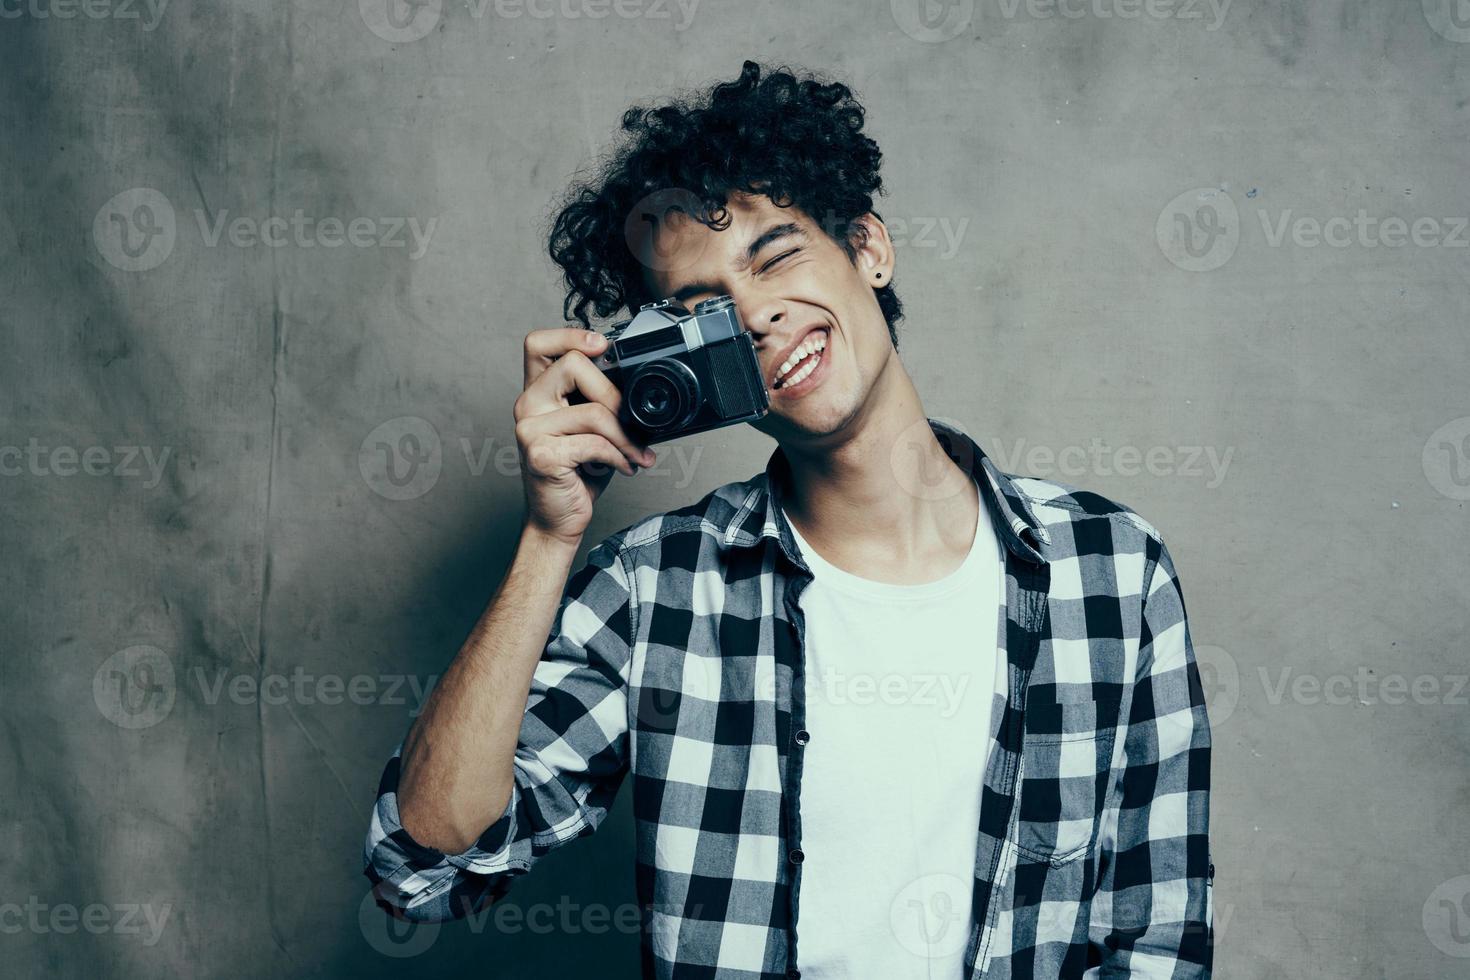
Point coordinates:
[(802, 361)]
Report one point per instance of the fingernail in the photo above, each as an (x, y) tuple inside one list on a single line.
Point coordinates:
[(594, 340)]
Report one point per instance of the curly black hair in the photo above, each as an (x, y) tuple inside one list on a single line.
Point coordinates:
[(796, 140)]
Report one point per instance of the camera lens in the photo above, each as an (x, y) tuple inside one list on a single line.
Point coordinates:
[(662, 395)]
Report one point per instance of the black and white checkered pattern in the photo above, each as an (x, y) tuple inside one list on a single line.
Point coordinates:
[(676, 655)]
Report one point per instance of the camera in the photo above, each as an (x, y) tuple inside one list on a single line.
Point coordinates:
[(682, 372)]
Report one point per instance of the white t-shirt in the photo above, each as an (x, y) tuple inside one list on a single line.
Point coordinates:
[(899, 681)]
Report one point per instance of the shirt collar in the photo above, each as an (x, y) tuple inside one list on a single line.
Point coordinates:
[(760, 515)]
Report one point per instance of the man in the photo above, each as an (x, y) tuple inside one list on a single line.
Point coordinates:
[(888, 711)]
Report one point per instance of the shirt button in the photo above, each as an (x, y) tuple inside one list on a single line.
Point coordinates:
[(803, 736), (796, 856)]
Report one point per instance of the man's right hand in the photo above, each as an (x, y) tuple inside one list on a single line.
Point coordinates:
[(569, 450)]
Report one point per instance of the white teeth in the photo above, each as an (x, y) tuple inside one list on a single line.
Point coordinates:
[(807, 348), (800, 376)]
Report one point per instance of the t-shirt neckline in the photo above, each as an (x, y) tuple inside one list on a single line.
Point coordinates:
[(845, 581)]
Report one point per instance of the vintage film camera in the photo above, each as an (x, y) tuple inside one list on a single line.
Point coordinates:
[(683, 372)]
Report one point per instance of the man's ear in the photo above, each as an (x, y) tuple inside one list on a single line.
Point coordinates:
[(874, 255)]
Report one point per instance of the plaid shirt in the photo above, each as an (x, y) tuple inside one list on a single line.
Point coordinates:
[(677, 655)]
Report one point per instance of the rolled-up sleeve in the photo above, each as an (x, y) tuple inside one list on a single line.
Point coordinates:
[(1153, 915), (570, 759)]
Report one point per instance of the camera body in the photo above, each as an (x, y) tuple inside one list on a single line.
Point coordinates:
[(682, 372)]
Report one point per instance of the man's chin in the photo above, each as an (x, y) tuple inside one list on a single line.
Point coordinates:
[(805, 428)]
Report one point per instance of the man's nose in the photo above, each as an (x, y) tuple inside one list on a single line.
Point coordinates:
[(760, 314)]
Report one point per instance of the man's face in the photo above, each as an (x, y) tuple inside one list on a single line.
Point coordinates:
[(792, 285)]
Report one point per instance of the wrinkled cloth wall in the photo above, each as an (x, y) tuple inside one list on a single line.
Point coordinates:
[(266, 268)]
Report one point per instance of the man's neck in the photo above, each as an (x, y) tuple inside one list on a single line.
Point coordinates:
[(888, 503)]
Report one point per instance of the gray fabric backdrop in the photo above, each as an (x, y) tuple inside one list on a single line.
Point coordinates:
[(1209, 260)]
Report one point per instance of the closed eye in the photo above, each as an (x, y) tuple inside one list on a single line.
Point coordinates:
[(779, 258)]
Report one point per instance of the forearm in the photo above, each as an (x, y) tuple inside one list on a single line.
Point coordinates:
[(458, 759)]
